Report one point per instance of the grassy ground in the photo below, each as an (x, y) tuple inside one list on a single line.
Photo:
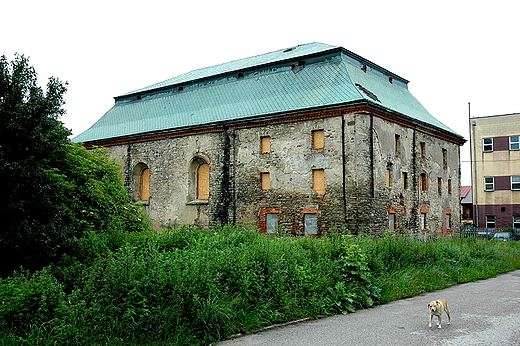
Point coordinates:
[(192, 287)]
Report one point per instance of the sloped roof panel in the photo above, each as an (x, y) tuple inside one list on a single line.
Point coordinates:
[(331, 76)]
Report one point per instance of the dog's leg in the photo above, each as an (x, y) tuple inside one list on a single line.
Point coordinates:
[(448, 313), (439, 320)]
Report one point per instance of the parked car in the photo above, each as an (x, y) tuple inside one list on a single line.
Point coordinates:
[(504, 236)]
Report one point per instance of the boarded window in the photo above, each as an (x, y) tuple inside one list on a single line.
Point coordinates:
[(265, 144), (145, 184), (423, 221), (203, 181), (265, 180), (423, 182), (271, 223), (311, 224), (388, 178), (392, 222), (447, 221), (318, 139), (318, 181)]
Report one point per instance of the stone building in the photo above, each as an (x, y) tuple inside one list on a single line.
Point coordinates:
[(297, 141)]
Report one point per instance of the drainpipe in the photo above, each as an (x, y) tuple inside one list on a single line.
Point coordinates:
[(372, 179), (474, 178), (344, 168)]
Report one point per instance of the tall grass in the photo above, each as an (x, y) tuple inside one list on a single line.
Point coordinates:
[(193, 287)]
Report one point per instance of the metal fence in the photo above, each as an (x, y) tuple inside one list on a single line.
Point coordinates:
[(489, 232)]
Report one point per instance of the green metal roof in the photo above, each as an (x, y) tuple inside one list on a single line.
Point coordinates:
[(259, 86)]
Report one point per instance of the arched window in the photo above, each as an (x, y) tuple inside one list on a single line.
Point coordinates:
[(199, 180), (141, 183)]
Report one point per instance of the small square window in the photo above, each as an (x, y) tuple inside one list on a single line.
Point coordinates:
[(489, 184), (514, 143), (487, 144)]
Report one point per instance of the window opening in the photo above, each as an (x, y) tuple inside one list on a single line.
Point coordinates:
[(490, 221), (487, 144), (265, 180), (423, 182), (203, 181), (514, 143), (145, 184), (271, 223), (516, 221), (449, 185), (422, 149), (310, 224), (318, 181), (423, 221), (439, 185), (265, 144), (404, 177), (489, 183), (444, 158), (388, 177), (397, 144), (318, 139), (515, 182)]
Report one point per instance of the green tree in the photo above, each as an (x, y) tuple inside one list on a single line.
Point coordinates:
[(53, 191)]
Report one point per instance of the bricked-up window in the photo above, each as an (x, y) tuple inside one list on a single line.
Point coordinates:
[(397, 144), (444, 158), (514, 143), (265, 180), (489, 183), (203, 181), (392, 220), (388, 177), (422, 149), (491, 221), (271, 223), (310, 223), (141, 183), (423, 182), (487, 144), (265, 144), (318, 181), (515, 182), (318, 139), (422, 226), (404, 178)]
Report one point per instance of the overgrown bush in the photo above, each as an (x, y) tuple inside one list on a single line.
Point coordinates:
[(193, 287)]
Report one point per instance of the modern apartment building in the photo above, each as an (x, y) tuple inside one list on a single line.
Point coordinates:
[(495, 158)]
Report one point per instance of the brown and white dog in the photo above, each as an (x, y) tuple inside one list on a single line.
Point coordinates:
[(437, 307)]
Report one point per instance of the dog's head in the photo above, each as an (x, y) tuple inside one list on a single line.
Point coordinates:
[(433, 306)]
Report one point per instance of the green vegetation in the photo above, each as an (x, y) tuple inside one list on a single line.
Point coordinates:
[(195, 287), (54, 192)]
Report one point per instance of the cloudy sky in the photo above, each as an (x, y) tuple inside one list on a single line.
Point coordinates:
[(452, 52)]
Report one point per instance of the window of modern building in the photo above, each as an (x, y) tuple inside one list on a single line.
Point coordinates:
[(404, 178), (203, 181), (271, 223), (515, 182), (489, 183), (423, 182), (318, 139), (318, 181), (265, 144), (490, 221), (265, 180), (516, 221), (514, 143), (487, 144), (397, 144), (310, 223)]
